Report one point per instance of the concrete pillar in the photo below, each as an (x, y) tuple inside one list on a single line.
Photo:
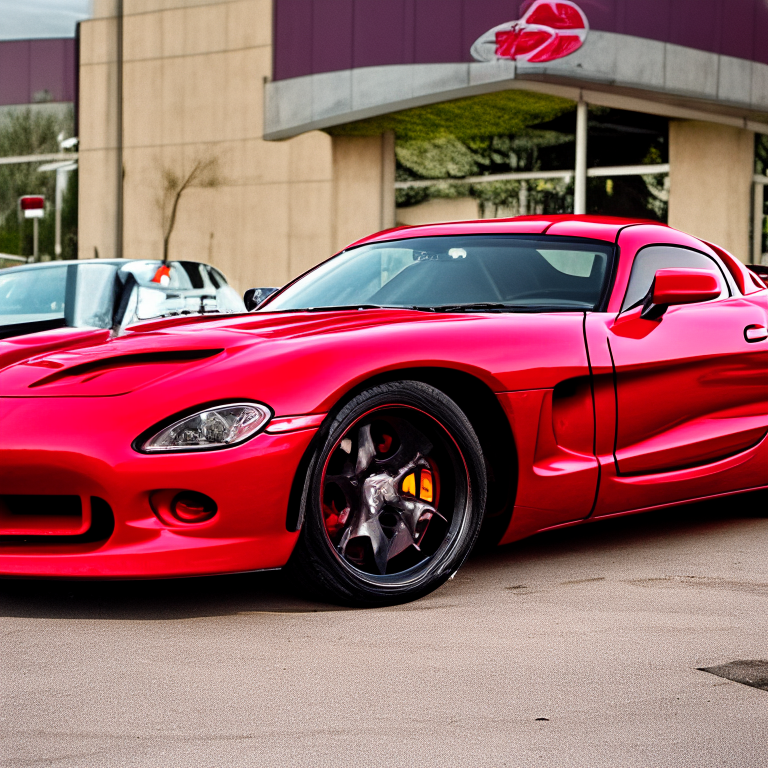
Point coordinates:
[(388, 167), (711, 168), (363, 187), (758, 206), (100, 162), (580, 177)]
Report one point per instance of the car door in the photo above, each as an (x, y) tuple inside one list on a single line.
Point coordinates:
[(690, 386)]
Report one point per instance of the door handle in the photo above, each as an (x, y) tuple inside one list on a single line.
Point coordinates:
[(754, 333)]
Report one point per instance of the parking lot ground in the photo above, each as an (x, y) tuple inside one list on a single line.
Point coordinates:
[(579, 647)]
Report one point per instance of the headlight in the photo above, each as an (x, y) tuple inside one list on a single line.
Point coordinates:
[(219, 426)]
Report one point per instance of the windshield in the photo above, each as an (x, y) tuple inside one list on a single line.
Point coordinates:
[(77, 295), (474, 272), (29, 296)]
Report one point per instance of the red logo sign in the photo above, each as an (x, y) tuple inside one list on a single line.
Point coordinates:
[(548, 30)]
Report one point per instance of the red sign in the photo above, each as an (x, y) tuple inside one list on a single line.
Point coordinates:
[(33, 206), (31, 202), (548, 30)]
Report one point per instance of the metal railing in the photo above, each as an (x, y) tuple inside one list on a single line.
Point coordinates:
[(18, 159), (615, 170), (758, 217)]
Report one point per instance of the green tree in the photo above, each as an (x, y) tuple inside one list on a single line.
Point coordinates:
[(204, 174), (32, 132)]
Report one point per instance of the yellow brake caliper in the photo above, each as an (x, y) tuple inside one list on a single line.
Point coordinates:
[(425, 485)]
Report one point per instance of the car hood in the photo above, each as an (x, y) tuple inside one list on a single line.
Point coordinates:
[(300, 362), (18, 348), (89, 363)]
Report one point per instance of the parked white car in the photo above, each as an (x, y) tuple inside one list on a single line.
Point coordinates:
[(108, 294)]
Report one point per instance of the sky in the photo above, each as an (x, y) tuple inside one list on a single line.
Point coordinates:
[(23, 19)]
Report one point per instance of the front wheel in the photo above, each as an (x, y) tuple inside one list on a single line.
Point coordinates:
[(393, 499)]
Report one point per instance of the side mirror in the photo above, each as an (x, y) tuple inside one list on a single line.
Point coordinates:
[(679, 286), (255, 296)]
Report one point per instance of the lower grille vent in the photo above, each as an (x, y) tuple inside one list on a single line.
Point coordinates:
[(54, 519)]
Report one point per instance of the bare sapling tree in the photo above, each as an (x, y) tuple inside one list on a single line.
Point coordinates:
[(204, 174)]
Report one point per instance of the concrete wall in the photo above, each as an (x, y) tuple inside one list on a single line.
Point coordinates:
[(711, 168), (98, 161), (364, 192), (439, 209), (193, 89)]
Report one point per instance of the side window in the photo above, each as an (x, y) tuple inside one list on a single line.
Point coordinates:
[(655, 257), (192, 270), (215, 277), (575, 263), (179, 277)]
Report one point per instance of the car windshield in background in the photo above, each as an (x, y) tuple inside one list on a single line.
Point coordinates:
[(188, 288), (30, 296), (470, 273), (78, 295), (88, 294)]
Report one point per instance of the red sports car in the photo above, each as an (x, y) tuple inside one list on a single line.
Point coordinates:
[(426, 387)]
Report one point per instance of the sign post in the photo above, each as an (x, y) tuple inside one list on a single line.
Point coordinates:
[(33, 207), (62, 168)]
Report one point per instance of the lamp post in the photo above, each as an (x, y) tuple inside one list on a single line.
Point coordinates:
[(62, 167)]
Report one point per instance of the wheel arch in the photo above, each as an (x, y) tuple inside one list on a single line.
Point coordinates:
[(484, 412)]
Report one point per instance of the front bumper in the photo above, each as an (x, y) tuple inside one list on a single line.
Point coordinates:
[(77, 446)]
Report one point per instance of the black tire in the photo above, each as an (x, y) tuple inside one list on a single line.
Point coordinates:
[(368, 553)]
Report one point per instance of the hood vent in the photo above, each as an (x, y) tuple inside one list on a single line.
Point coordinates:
[(96, 367)]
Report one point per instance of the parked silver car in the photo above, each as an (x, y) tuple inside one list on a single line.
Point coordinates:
[(108, 294)]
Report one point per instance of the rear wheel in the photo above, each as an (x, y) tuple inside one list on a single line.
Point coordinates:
[(393, 499)]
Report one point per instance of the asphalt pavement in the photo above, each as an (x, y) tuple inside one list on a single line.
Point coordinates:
[(580, 647)]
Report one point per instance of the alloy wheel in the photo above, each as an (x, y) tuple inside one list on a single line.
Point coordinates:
[(393, 491)]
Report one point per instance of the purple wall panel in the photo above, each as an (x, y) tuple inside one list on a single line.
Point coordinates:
[(696, 24), (46, 70), (293, 26), (379, 32), (438, 31), (737, 28), (648, 19), (29, 67), (480, 15), (71, 72), (409, 34), (14, 72), (601, 13), (314, 35), (760, 33), (332, 35)]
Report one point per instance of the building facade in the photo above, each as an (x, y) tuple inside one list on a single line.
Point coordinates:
[(321, 121)]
